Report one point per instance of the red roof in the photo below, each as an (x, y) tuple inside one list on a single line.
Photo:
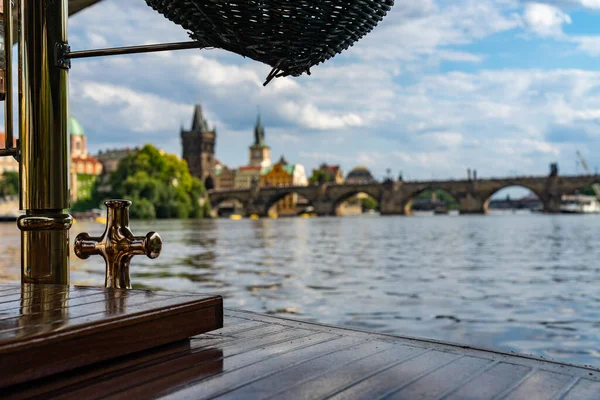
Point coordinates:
[(250, 168), (3, 138), (86, 159)]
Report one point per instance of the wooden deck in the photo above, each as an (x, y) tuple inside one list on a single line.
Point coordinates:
[(257, 356), (48, 329)]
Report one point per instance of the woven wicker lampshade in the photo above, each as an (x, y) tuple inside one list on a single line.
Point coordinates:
[(290, 35)]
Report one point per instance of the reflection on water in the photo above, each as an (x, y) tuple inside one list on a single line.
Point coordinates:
[(526, 283)]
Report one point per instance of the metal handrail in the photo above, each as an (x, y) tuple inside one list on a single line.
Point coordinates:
[(117, 51)]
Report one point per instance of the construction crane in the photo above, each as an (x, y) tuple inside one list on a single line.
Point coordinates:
[(595, 186)]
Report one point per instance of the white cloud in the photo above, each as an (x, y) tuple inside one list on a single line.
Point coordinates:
[(286, 138), (588, 44), (309, 116), (590, 3), (445, 139), (426, 30), (323, 156), (545, 20), (141, 112), (384, 103)]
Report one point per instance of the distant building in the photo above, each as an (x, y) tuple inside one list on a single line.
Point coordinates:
[(260, 158), (199, 149), (110, 162), (81, 161), (284, 174), (110, 158), (224, 177), (247, 176), (7, 164), (334, 172), (84, 168), (260, 153), (360, 175)]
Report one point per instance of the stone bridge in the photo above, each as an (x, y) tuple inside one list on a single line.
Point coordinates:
[(396, 197)]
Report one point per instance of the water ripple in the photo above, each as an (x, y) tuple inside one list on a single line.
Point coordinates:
[(523, 283)]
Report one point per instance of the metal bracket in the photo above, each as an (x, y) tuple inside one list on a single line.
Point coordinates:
[(14, 152), (62, 55)]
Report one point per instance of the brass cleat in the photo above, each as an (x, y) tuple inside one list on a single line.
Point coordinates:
[(118, 245)]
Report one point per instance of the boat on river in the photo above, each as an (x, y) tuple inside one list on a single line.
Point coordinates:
[(440, 210), (579, 204), (63, 341)]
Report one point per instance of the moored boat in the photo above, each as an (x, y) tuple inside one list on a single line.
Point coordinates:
[(580, 204)]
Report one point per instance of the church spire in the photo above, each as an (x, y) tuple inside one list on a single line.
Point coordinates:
[(198, 122), (259, 133)]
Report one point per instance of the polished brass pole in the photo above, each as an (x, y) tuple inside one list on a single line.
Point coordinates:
[(43, 118), (8, 76)]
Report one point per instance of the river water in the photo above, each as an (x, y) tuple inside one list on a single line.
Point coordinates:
[(523, 283)]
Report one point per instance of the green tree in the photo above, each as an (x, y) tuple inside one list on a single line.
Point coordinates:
[(9, 184), (159, 185), (369, 203), (319, 177), (442, 196), (588, 191)]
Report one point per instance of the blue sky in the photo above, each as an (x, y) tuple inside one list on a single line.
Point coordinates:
[(504, 87)]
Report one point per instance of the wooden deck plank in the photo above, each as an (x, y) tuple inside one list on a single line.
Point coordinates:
[(260, 356), (181, 368), (6, 286), (260, 331), (402, 374), (463, 349), (35, 297), (238, 329), (37, 323), (442, 380), (344, 375), (41, 315), (540, 386), (583, 390), (235, 376), (490, 383), (67, 381), (10, 310), (306, 371), (48, 338), (194, 386), (94, 378)]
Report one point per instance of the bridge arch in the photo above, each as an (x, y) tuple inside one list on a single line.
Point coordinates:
[(445, 199), (374, 195), (487, 197), (216, 202), (287, 203)]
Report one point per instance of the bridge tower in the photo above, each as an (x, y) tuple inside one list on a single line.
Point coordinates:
[(199, 149), (260, 153)]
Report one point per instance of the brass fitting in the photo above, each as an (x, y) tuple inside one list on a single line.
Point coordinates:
[(118, 245)]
